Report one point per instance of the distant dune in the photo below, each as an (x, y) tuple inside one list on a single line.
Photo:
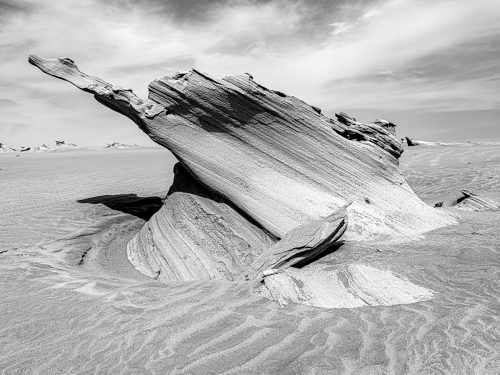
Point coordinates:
[(284, 242)]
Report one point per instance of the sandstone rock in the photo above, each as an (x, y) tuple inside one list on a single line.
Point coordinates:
[(5, 148), (63, 145), (272, 156), (380, 133), (43, 148), (475, 202), (303, 243), (118, 145), (411, 142), (257, 165), (58, 146)]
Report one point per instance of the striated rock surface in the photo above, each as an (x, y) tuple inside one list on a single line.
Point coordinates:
[(413, 142), (43, 148), (387, 125), (475, 202), (257, 166), (197, 234), (354, 285), (380, 133), (118, 145)]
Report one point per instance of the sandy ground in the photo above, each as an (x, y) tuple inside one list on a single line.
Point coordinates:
[(72, 304)]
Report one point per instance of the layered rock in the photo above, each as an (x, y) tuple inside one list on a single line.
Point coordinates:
[(118, 145), (257, 166), (5, 148), (475, 202), (413, 142), (353, 285)]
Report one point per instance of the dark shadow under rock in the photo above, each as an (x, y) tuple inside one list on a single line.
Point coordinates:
[(142, 207)]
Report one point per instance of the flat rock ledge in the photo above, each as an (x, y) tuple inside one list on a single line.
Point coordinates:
[(265, 183)]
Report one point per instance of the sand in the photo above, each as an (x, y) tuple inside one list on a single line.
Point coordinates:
[(72, 303)]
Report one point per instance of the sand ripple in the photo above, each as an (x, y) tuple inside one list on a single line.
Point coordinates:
[(64, 315)]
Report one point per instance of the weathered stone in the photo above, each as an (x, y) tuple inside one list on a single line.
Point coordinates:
[(380, 133), (303, 243), (346, 286), (475, 202), (259, 164), (5, 148)]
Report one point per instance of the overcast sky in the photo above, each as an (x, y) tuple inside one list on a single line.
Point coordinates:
[(431, 66)]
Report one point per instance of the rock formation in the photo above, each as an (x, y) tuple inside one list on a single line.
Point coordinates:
[(118, 145), (380, 132), (387, 125), (469, 201), (197, 234), (43, 148), (412, 142), (5, 148), (353, 285), (475, 202), (261, 175), (62, 145)]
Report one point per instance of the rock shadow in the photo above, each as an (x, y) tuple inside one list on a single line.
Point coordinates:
[(331, 249), (141, 207)]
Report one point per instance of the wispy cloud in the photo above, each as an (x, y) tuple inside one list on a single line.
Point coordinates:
[(417, 55)]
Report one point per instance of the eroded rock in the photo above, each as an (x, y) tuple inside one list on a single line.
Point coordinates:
[(353, 285), (381, 133), (197, 234), (475, 202), (273, 156), (5, 148), (303, 243), (257, 166)]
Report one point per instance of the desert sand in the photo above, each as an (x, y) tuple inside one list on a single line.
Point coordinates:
[(73, 303)]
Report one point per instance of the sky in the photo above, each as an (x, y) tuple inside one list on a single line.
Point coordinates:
[(430, 66)]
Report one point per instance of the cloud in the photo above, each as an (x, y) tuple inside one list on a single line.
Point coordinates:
[(425, 55)]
